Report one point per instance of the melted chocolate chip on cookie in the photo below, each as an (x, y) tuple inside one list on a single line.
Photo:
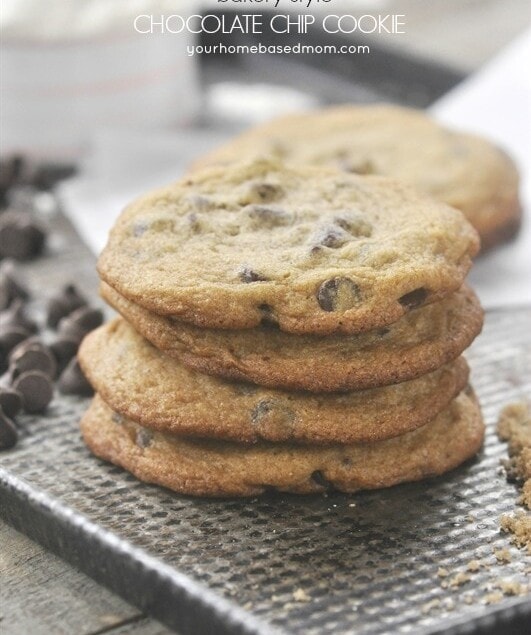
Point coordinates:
[(331, 236), (338, 294), (144, 438), (271, 418), (354, 225), (268, 216), (247, 274), (266, 192), (413, 299)]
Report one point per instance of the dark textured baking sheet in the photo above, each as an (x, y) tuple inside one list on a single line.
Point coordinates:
[(368, 563)]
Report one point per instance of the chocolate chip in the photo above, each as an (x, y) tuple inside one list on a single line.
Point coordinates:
[(246, 274), (268, 318), (63, 349), (414, 298), (8, 432), (10, 402), (73, 382), (63, 303), (266, 192), (272, 419), (11, 287), (45, 177), (331, 236), (144, 438), (319, 479), (354, 225), (10, 170), (36, 390), (21, 237), (32, 355), (15, 316), (5, 297), (268, 217), (80, 322), (68, 329), (338, 294), (10, 337), (87, 318)]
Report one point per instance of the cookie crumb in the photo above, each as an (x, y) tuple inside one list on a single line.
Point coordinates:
[(459, 579), (525, 498), (470, 518), (473, 566), (468, 598), (300, 595), (512, 587), (502, 555), (428, 607), (442, 572), (493, 598), (519, 525), (514, 426), (109, 619)]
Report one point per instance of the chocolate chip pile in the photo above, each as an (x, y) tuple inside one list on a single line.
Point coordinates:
[(261, 348), (38, 345), (22, 236), (33, 356)]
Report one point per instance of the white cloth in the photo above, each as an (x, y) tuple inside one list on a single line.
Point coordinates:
[(496, 103)]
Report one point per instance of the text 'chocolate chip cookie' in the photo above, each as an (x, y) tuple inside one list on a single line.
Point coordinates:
[(138, 381), (221, 468), (327, 252), (460, 169)]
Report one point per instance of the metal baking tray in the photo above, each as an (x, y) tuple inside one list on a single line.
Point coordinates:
[(366, 563)]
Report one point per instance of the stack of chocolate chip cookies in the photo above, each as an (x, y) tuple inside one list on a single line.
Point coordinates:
[(288, 328)]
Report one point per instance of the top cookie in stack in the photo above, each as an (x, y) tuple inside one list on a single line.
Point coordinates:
[(308, 250), (303, 331), (462, 170)]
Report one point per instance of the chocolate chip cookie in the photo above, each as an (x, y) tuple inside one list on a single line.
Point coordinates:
[(462, 170), (418, 343), (308, 250), (221, 468), (138, 381)]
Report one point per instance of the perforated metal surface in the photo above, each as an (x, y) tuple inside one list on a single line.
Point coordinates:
[(368, 563)]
